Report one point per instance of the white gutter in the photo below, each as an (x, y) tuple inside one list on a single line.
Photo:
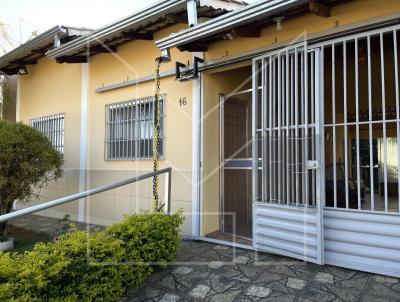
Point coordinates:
[(261, 9), (159, 8)]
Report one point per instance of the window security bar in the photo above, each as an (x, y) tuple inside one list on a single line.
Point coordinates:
[(362, 121), (130, 127), (52, 126), (70, 198)]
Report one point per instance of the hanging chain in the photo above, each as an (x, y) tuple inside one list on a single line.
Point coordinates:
[(156, 136)]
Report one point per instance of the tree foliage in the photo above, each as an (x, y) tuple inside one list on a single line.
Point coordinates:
[(27, 163)]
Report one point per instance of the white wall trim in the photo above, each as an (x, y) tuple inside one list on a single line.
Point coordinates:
[(83, 139), (196, 152), (18, 101)]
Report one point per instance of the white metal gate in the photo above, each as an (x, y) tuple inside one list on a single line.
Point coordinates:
[(287, 215)]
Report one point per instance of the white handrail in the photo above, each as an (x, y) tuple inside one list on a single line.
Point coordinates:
[(63, 200)]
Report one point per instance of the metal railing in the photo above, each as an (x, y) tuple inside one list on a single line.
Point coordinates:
[(63, 200)]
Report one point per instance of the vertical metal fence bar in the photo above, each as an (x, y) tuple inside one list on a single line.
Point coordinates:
[(312, 121), (146, 129), (106, 136), (396, 80), (124, 136), (283, 121), (56, 131), (296, 123), (371, 159), (302, 128), (112, 131), (346, 163), (116, 121), (357, 124), (254, 126), (287, 62), (58, 134), (127, 112), (119, 131), (264, 91), (137, 134), (384, 121), (151, 126), (130, 130), (141, 155), (279, 129), (274, 134), (169, 190), (306, 155), (270, 141), (292, 131)]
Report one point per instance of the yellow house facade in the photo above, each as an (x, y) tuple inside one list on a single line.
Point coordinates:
[(280, 123), (79, 87)]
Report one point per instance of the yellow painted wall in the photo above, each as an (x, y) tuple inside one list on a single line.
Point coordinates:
[(135, 60), (51, 88), (54, 88)]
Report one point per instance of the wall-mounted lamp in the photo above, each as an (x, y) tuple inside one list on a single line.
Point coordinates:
[(165, 55), (228, 36), (22, 70), (278, 21)]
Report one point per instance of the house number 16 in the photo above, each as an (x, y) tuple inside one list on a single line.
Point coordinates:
[(183, 101)]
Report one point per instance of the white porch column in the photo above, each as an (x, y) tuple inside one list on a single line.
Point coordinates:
[(18, 101), (196, 152), (83, 139)]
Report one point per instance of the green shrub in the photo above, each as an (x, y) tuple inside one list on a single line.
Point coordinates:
[(91, 267), (150, 240), (64, 270)]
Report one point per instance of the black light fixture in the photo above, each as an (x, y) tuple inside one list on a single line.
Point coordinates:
[(22, 70)]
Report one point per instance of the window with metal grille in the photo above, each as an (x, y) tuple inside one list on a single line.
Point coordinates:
[(52, 126), (129, 129), (362, 121)]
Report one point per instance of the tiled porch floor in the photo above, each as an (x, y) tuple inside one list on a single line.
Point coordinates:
[(210, 272)]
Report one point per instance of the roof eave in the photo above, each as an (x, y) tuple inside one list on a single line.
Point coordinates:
[(38, 42), (227, 21), (31, 43), (157, 9)]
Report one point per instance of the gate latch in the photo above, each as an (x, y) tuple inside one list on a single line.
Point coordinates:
[(312, 164)]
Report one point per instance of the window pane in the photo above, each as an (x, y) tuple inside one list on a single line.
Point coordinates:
[(131, 126)]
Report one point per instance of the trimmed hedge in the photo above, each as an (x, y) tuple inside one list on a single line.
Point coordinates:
[(92, 267)]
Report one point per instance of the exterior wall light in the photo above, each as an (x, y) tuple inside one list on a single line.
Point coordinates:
[(278, 21), (22, 70)]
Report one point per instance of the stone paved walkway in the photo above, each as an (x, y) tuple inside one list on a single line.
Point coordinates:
[(210, 272)]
